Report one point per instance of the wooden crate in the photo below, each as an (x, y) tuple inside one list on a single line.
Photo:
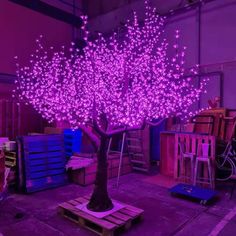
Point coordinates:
[(125, 169), (167, 153), (86, 176), (107, 226)]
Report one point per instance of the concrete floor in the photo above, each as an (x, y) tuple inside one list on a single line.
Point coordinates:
[(36, 215)]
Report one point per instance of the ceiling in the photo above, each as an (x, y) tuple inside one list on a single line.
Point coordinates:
[(99, 7), (94, 8)]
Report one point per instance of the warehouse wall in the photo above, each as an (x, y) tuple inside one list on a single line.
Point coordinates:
[(217, 39), (215, 50), (19, 27)]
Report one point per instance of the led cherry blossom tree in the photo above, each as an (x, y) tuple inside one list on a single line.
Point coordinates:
[(113, 85)]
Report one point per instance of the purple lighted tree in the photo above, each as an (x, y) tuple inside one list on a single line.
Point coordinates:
[(113, 85)]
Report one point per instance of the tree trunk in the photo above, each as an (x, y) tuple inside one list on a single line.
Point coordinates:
[(100, 200)]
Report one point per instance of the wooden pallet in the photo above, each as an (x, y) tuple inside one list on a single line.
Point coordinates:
[(41, 162), (107, 226)]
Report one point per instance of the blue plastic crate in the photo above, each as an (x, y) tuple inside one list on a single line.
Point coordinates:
[(44, 162), (47, 182), (72, 141)]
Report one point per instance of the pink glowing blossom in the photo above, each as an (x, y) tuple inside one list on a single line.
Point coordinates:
[(130, 80)]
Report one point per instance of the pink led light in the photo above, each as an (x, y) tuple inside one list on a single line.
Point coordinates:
[(130, 80)]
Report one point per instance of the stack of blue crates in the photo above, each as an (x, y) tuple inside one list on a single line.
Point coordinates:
[(43, 162), (72, 141)]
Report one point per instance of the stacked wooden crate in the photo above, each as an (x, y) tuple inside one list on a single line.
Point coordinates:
[(84, 176), (113, 165), (42, 161), (87, 175)]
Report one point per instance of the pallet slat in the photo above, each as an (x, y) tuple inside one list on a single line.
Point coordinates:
[(120, 216), (114, 220)]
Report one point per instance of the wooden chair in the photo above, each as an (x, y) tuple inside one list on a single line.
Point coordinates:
[(204, 159), (193, 144), (184, 156)]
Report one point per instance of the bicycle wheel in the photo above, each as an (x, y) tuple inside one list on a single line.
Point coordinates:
[(225, 168)]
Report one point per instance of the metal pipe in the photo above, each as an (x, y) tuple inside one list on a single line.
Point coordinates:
[(190, 6), (121, 157), (68, 4), (199, 47)]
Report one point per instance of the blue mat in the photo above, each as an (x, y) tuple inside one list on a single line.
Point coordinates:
[(202, 194)]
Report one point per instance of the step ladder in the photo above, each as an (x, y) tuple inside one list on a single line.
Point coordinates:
[(120, 153), (138, 143), (138, 149)]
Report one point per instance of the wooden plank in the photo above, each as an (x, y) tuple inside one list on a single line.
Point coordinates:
[(87, 197), (73, 202), (167, 160), (114, 220), (134, 209), (120, 216), (129, 212), (81, 200), (140, 169)]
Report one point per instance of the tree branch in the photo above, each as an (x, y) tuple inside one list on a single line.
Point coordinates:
[(93, 137), (98, 129), (125, 129)]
